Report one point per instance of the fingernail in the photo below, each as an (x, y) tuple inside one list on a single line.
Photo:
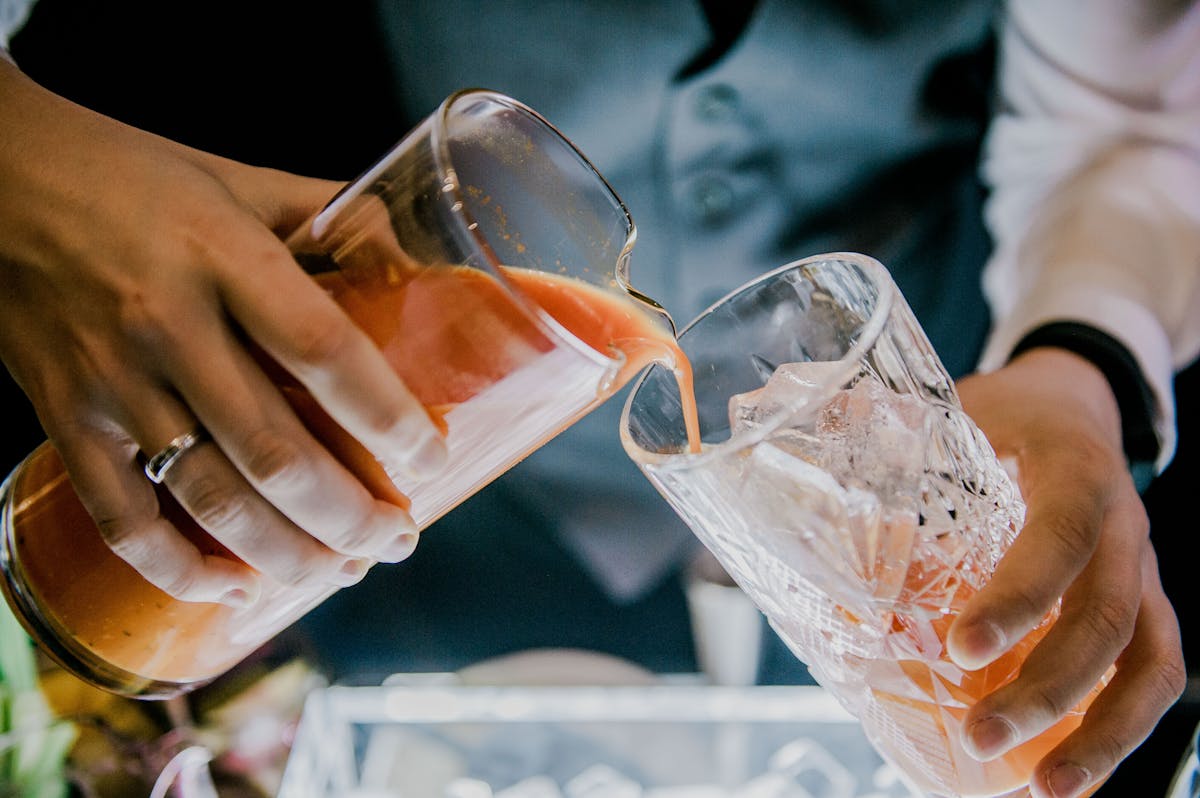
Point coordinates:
[(989, 738), (236, 598), (976, 645), (352, 571), (400, 548), (430, 457), (1066, 781)]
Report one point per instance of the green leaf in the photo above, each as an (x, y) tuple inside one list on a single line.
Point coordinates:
[(33, 744), (18, 665)]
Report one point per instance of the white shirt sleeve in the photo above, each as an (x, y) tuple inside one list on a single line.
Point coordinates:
[(1094, 164), (12, 16)]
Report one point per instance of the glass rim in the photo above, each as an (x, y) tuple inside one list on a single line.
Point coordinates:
[(469, 229), (466, 229), (445, 164), (848, 365)]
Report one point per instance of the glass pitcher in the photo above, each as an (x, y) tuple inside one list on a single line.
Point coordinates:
[(488, 260)]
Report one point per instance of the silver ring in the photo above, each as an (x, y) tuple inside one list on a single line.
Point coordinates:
[(158, 465)]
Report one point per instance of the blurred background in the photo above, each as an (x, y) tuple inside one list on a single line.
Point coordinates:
[(283, 85)]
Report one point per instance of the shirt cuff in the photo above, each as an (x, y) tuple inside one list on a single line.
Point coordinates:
[(1119, 318), (1135, 400)]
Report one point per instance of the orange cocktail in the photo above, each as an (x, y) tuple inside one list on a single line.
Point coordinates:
[(851, 498), (914, 709), (484, 362)]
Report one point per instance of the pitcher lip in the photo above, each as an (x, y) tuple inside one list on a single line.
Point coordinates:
[(468, 228), (848, 365)]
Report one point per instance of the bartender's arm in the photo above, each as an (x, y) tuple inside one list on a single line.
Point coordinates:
[(1094, 164)]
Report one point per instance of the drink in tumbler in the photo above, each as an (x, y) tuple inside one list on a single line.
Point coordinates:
[(842, 486), (488, 261)]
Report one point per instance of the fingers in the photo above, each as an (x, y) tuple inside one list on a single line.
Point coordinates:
[(1096, 624), (123, 504), (1085, 539), (1062, 530), (280, 200), (305, 331), (216, 495), (1150, 677), (133, 325), (266, 487), (342, 522)]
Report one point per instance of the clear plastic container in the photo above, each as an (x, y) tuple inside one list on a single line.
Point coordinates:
[(663, 741)]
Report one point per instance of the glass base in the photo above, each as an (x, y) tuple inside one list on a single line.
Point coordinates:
[(59, 646)]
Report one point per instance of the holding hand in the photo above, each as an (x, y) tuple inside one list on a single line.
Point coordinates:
[(138, 277), (1086, 539)]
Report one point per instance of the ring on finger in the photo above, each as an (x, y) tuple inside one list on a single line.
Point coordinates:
[(161, 462)]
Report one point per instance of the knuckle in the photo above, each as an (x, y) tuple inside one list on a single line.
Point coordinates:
[(123, 536), (1111, 618), (394, 420), (1094, 458), (136, 316), (146, 317), (358, 539), (273, 460), (1109, 748), (216, 505), (294, 572), (1138, 520), (1051, 702), (1169, 678), (1074, 531), (322, 340), (1023, 603), (178, 583), (372, 534)]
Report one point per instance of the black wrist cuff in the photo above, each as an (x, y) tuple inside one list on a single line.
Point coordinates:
[(1135, 400)]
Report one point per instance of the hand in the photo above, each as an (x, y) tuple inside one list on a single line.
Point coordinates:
[(1086, 539), (136, 276)]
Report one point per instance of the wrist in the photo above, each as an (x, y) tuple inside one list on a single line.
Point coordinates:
[(1127, 389)]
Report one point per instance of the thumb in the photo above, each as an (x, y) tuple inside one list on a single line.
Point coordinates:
[(284, 201)]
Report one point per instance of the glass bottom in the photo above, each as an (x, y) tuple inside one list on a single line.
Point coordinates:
[(62, 648)]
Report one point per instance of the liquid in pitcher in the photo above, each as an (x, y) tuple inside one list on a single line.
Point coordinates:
[(497, 376)]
